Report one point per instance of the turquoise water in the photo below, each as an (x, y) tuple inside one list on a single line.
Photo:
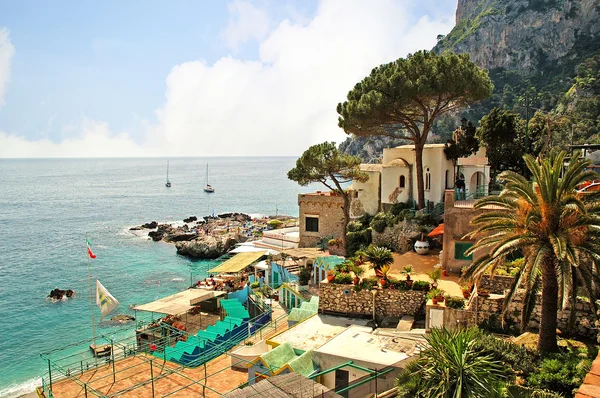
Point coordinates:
[(47, 207)]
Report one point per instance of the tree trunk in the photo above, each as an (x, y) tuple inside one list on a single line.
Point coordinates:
[(548, 322), (420, 183), (346, 218)]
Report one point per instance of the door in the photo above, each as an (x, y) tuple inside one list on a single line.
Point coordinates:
[(436, 319), (342, 379)]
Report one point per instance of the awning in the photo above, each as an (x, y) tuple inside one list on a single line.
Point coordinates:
[(306, 252), (238, 262), (437, 231), (246, 248), (179, 303)]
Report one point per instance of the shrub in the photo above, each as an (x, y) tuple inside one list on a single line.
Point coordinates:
[(356, 241), (354, 226), (398, 284), (275, 224), (343, 279), (561, 373), (455, 302), (304, 275), (397, 208), (368, 283), (421, 285), (521, 360), (255, 285)]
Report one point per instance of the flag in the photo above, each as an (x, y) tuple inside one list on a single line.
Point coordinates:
[(89, 248), (105, 300)]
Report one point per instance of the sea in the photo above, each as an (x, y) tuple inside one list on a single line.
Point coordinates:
[(47, 206)]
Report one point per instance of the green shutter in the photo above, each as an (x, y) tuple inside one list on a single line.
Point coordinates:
[(459, 251)]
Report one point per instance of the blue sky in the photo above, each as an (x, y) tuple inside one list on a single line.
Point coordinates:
[(136, 78)]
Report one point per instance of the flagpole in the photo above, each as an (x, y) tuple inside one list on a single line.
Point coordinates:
[(91, 296)]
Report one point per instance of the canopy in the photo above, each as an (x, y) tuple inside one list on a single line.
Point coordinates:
[(179, 303), (306, 252), (238, 262), (437, 231)]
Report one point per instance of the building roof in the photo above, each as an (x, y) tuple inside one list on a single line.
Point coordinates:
[(316, 331), (412, 146), (284, 386), (306, 252), (179, 303), (371, 167), (379, 349), (238, 262)]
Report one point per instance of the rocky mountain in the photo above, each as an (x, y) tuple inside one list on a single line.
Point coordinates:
[(532, 49)]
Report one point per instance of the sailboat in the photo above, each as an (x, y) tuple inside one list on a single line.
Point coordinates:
[(207, 186), (168, 183)]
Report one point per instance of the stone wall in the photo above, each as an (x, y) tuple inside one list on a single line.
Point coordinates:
[(497, 284), (342, 299), (329, 209), (488, 310)]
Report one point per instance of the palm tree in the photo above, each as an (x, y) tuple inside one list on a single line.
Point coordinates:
[(452, 366), (378, 257), (553, 227)]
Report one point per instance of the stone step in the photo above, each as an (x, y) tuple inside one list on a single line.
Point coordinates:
[(406, 323)]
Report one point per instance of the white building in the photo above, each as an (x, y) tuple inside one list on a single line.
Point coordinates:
[(395, 179)]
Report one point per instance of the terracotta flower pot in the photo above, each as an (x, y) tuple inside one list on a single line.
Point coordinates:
[(356, 280), (466, 294), (330, 278), (435, 300), (383, 282)]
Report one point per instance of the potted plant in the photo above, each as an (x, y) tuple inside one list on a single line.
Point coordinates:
[(435, 275), (466, 290), (358, 271), (436, 295), (330, 275), (383, 277), (422, 246), (408, 270), (455, 302)]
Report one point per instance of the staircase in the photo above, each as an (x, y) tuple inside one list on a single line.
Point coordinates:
[(216, 339)]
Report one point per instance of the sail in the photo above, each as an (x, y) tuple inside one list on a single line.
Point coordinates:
[(105, 300)]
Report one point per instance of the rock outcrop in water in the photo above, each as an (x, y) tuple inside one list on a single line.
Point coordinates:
[(59, 294), (210, 237), (207, 247)]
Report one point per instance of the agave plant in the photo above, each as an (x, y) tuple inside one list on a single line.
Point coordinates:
[(555, 228)]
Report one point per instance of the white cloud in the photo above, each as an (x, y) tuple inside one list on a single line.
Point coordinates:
[(246, 22), (277, 105), (7, 50), (96, 140)]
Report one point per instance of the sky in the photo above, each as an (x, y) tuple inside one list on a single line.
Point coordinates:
[(112, 78)]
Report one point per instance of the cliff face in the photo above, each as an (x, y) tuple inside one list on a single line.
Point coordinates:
[(524, 35)]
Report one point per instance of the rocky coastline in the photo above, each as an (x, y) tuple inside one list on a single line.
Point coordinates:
[(210, 237)]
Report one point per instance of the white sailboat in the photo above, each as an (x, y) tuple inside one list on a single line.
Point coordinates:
[(207, 186), (168, 183)]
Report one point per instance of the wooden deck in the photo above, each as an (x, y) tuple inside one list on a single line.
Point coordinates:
[(133, 376)]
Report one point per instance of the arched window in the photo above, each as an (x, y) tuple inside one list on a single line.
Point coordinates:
[(427, 179), (402, 182)]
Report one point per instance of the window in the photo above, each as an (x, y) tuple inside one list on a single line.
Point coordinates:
[(402, 181), (459, 251), (447, 179), (427, 179), (312, 224)]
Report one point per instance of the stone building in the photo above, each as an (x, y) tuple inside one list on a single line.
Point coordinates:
[(457, 223), (321, 216), (395, 179)]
